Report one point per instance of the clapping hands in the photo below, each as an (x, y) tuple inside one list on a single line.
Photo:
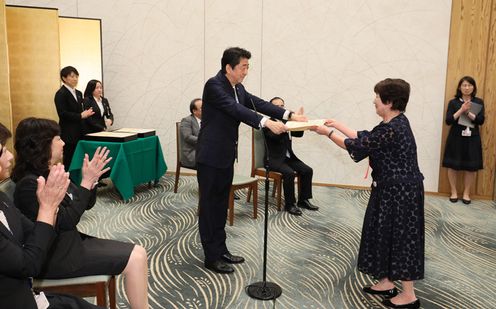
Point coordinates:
[(94, 168), (51, 192)]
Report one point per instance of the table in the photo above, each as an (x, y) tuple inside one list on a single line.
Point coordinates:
[(133, 163)]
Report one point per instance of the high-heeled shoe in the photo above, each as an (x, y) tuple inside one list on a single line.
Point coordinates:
[(412, 305), (453, 199), (386, 293)]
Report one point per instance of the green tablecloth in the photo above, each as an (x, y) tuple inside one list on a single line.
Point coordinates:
[(132, 163)]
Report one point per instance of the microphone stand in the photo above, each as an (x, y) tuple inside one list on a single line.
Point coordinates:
[(264, 290)]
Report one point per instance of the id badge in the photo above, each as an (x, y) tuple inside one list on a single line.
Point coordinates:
[(467, 132), (41, 301)]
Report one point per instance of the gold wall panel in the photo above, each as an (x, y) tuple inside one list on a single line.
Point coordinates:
[(33, 46), (80, 47), (471, 52), (5, 109)]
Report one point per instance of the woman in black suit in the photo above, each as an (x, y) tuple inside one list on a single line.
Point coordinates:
[(24, 244), (93, 98), (39, 147)]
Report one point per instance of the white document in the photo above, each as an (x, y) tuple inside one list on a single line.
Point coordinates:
[(302, 126)]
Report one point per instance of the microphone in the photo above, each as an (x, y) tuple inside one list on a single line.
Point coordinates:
[(264, 290)]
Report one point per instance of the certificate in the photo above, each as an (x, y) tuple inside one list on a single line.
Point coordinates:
[(304, 125)]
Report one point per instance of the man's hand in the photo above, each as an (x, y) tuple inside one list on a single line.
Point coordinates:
[(296, 117), (275, 126)]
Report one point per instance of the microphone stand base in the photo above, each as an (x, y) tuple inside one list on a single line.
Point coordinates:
[(264, 290)]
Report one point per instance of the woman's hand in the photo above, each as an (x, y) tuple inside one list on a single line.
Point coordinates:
[(322, 130), (51, 192), (466, 106), (331, 123), (92, 170)]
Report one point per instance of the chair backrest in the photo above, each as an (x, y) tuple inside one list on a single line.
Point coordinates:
[(257, 149), (178, 143)]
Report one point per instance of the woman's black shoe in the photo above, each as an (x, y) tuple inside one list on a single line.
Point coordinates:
[(453, 199), (386, 293), (466, 202), (412, 305)]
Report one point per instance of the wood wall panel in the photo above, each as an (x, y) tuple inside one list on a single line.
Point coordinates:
[(33, 46), (5, 110), (471, 52), (488, 181), (80, 47)]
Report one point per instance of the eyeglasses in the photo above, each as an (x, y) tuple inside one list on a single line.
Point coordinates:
[(1, 150)]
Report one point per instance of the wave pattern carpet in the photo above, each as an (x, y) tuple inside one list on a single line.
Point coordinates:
[(312, 257)]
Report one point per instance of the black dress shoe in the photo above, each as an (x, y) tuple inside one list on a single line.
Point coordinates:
[(466, 202), (412, 305), (306, 204), (232, 259), (219, 267), (453, 199), (386, 293), (292, 209)]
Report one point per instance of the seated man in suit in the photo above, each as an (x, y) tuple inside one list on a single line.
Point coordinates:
[(283, 160), (189, 129)]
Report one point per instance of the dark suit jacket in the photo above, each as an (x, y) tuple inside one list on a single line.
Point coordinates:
[(96, 123), (65, 255), (22, 253), (69, 111), (221, 116), (280, 144), (189, 130)]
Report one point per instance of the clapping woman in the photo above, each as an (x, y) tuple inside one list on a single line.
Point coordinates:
[(39, 147)]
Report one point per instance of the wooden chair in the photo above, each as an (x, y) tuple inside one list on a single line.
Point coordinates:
[(240, 182), (88, 286), (178, 156), (258, 169)]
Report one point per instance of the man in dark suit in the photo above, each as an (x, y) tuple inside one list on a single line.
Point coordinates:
[(226, 103), (189, 130), (68, 101), (283, 160)]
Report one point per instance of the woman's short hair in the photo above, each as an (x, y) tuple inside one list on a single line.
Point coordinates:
[(395, 91), (471, 81), (33, 146)]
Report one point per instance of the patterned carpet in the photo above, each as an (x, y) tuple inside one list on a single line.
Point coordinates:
[(312, 257)]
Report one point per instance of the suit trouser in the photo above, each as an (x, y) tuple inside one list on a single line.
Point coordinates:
[(214, 186), (287, 169)]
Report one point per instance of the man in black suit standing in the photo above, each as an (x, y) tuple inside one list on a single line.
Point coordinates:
[(69, 104), (226, 103), (282, 159)]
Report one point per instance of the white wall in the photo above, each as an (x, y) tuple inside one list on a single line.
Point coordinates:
[(324, 55)]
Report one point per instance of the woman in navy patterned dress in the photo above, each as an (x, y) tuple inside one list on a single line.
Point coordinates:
[(392, 243)]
